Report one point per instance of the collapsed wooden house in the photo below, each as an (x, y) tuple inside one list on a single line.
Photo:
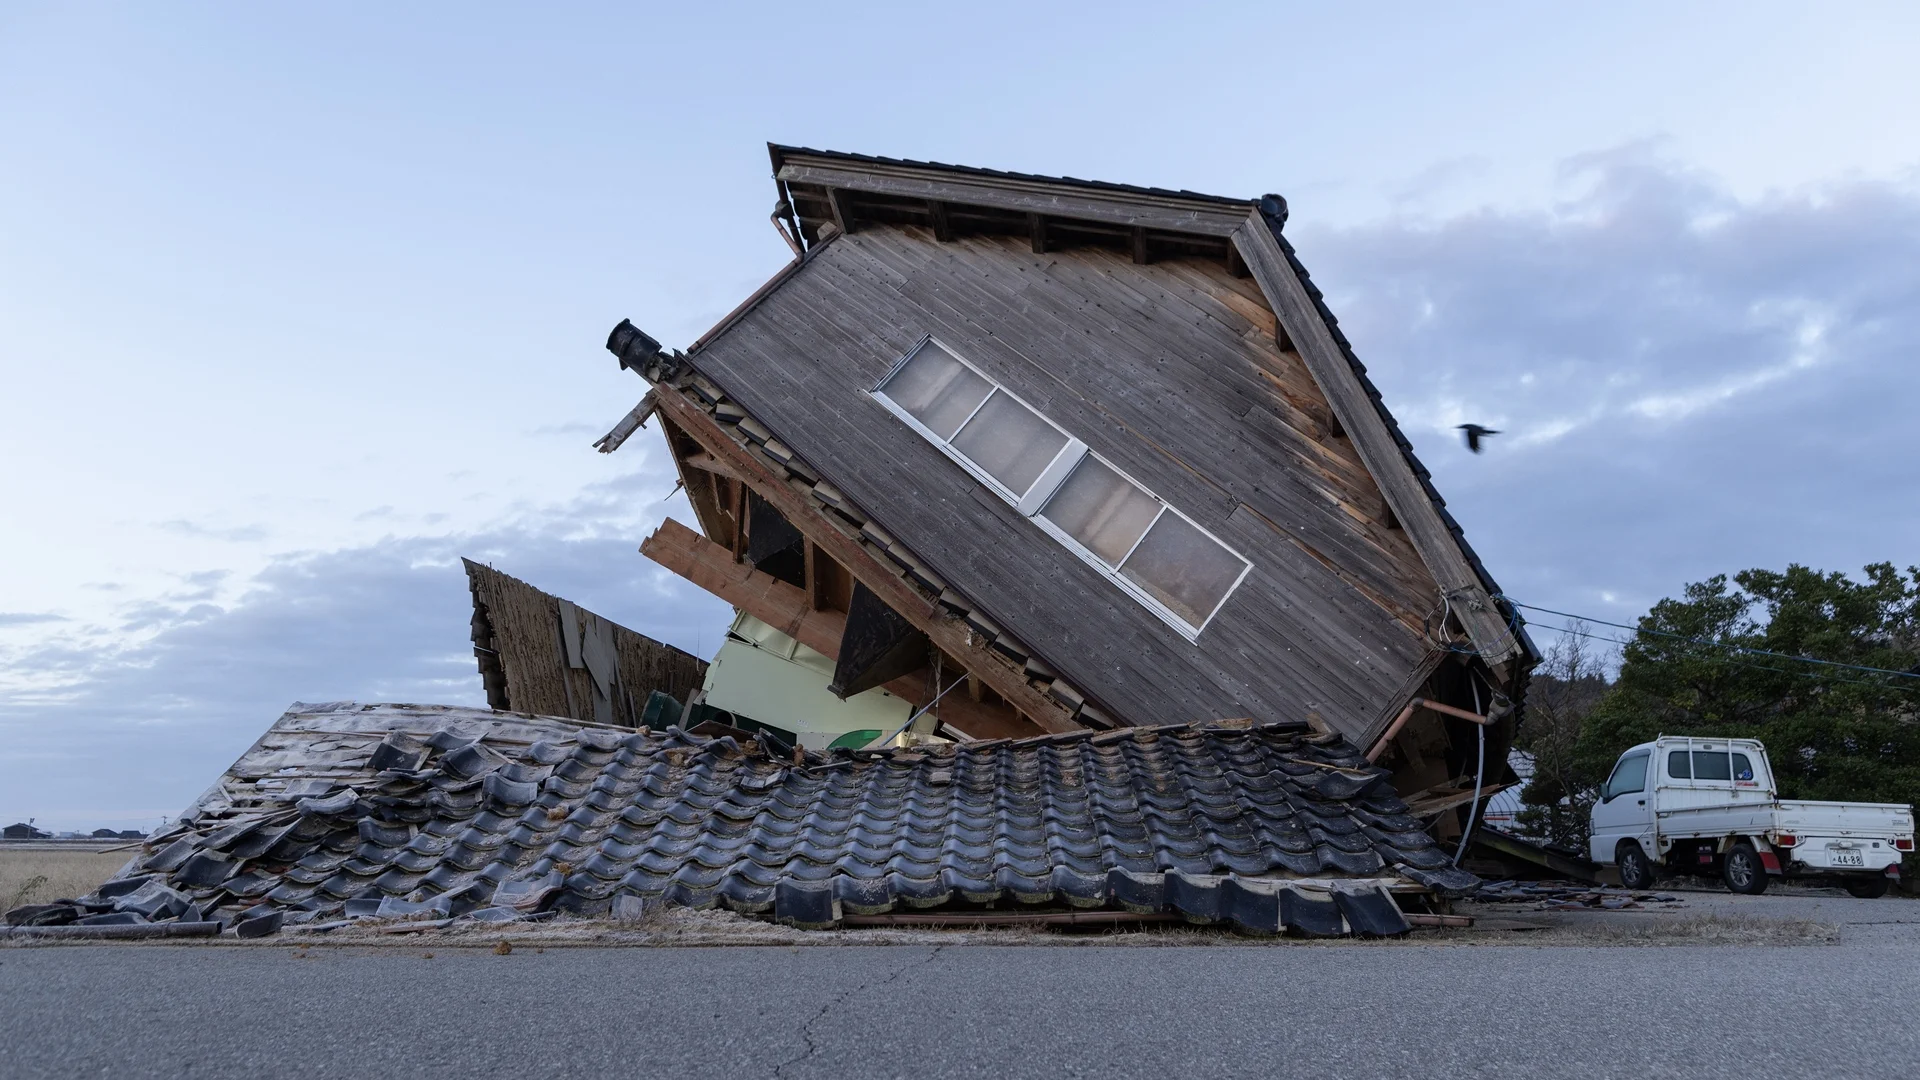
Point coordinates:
[(1099, 454), (1082, 476)]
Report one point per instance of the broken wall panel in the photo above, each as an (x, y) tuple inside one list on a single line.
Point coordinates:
[(878, 646), (541, 654)]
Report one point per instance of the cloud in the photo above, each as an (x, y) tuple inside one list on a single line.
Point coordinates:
[(28, 618), (103, 727), (238, 534), (1687, 383), (574, 430)]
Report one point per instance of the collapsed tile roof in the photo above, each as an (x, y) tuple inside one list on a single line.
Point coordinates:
[(344, 810)]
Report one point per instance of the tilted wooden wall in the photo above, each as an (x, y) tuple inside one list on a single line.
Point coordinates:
[(544, 655), (1170, 370)]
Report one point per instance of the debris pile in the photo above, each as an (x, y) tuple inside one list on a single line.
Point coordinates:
[(1567, 896), (1267, 828)]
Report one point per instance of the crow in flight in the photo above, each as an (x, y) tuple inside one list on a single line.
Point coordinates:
[(1474, 434)]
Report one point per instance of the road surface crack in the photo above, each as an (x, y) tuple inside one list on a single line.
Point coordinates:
[(812, 1047)]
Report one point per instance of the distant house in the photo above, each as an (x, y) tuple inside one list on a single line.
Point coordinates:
[(20, 830)]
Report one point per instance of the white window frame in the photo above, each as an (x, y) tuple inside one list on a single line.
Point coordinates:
[(1030, 503)]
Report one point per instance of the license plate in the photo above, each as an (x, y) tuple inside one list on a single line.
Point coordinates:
[(1847, 858)]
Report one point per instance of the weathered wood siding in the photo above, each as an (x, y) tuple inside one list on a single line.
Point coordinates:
[(1170, 370), (602, 675)]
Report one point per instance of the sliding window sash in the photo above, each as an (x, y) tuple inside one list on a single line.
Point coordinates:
[(1048, 482)]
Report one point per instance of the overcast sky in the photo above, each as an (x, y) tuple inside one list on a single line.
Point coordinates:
[(299, 307)]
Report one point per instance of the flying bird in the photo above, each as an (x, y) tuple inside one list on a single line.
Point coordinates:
[(1475, 433)]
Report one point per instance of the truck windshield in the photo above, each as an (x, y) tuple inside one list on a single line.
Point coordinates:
[(1629, 776)]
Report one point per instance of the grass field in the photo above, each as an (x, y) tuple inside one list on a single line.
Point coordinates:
[(35, 875)]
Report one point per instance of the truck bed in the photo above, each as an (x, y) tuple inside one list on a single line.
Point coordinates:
[(1797, 816)]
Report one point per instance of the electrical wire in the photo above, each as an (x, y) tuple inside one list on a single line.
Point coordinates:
[(1736, 663), (1713, 644), (885, 739)]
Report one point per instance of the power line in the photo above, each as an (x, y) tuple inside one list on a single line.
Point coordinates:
[(1713, 644), (1735, 663)]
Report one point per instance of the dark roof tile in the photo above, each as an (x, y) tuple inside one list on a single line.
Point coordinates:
[(1208, 819)]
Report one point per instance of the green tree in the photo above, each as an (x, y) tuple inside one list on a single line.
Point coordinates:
[(1831, 732), (1562, 694)]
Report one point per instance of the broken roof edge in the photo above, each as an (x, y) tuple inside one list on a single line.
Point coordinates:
[(1273, 214), (1063, 197), (780, 153)]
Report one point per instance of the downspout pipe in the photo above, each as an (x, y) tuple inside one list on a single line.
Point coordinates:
[(1479, 778)]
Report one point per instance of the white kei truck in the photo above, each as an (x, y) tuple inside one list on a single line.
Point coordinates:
[(1709, 807)]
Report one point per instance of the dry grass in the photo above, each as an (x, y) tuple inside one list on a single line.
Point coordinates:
[(680, 927), (35, 875)]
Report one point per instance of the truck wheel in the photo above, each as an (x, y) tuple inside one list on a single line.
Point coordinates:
[(1866, 888), (1636, 870), (1743, 871)]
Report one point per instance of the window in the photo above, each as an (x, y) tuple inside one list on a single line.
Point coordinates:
[(1629, 776), (1146, 547), (1711, 765)]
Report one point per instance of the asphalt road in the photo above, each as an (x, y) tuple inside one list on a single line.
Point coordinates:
[(854, 1013)]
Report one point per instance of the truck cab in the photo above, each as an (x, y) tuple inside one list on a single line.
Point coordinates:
[(1710, 806)]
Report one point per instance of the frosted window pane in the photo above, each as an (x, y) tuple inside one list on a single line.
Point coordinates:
[(1010, 441), (1101, 509), (937, 389), (1183, 568)]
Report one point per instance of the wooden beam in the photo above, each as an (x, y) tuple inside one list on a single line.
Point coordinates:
[(812, 568), (1037, 232), (942, 226), (635, 419), (842, 205), (788, 610), (739, 536), (1139, 244), (1236, 265), (708, 463), (1299, 317), (946, 632), (1386, 737), (1439, 800), (703, 491)]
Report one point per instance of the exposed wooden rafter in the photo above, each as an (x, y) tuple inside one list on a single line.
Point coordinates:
[(950, 635), (789, 610), (942, 224)]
